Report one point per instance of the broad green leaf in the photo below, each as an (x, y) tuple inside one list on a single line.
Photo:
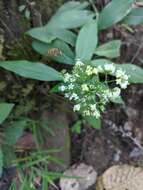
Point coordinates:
[(70, 19), (1, 162), (33, 70), (46, 35), (87, 41), (114, 12), (135, 72), (5, 109), (65, 55), (109, 49), (95, 123), (14, 132), (72, 5), (135, 17)]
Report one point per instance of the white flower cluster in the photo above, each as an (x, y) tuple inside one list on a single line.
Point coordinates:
[(89, 92)]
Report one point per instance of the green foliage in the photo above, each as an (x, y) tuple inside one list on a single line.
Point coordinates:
[(14, 131), (32, 70), (76, 128), (109, 49), (135, 17), (48, 35), (87, 41), (64, 53), (114, 12), (94, 122), (5, 111), (70, 18)]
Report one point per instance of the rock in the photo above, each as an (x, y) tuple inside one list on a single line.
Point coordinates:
[(87, 177), (57, 123), (121, 177)]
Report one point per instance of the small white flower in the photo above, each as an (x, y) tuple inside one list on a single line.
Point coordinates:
[(116, 92), (67, 95), (95, 71), (84, 87), (86, 113), (109, 68), (96, 114), (67, 77), (62, 88), (100, 69), (89, 70), (79, 63), (93, 107), (124, 84), (71, 86), (74, 96), (76, 107), (120, 73)]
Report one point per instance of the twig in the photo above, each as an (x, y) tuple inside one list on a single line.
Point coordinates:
[(138, 51), (94, 7)]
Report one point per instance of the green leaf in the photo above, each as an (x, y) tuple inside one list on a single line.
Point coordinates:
[(135, 17), (135, 72), (27, 14), (72, 5), (114, 12), (33, 70), (87, 41), (94, 122), (1, 162), (118, 100), (48, 35), (66, 55), (55, 89), (5, 109), (14, 132), (76, 128), (70, 19), (109, 49)]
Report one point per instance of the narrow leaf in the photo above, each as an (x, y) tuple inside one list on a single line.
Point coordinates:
[(114, 12), (110, 49), (87, 41), (33, 70), (5, 109)]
